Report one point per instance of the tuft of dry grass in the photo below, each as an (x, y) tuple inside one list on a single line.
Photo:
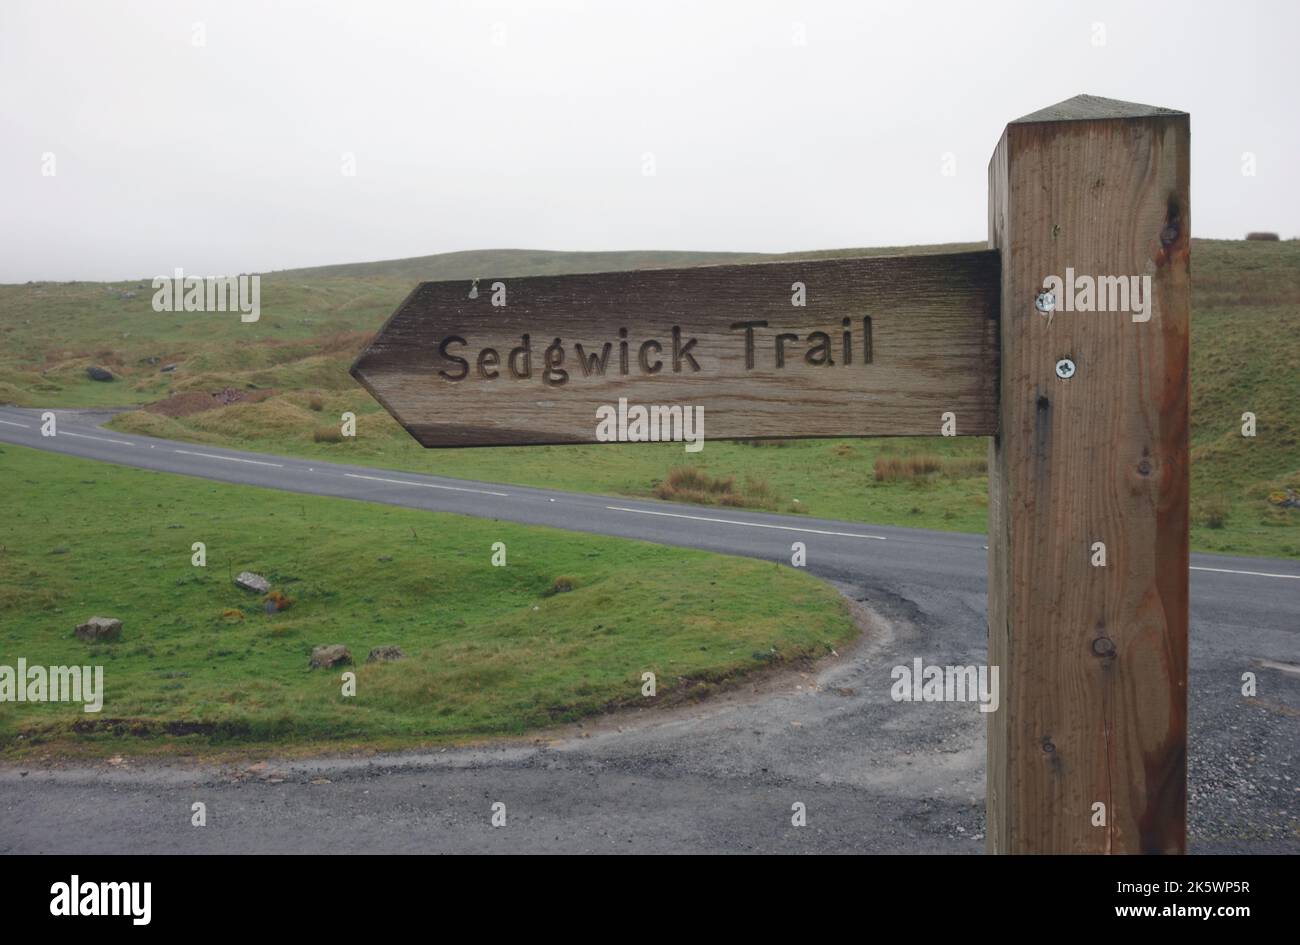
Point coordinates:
[(924, 465), (693, 479), (693, 484), (327, 435), (561, 585), (903, 468), (1212, 511)]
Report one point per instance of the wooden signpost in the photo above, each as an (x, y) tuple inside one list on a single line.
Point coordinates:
[(1066, 343)]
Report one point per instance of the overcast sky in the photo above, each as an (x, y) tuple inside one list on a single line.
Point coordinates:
[(215, 136)]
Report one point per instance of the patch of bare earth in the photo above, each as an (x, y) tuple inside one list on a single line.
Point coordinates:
[(196, 401)]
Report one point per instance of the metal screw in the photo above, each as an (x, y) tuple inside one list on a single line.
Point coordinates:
[(1103, 646), (1065, 369), (1045, 302)]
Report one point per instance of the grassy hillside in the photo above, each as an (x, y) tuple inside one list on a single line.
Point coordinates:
[(1245, 299), (489, 650)]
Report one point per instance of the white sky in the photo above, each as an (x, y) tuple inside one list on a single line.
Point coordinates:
[(484, 125)]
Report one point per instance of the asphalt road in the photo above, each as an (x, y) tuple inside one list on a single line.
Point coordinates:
[(875, 775)]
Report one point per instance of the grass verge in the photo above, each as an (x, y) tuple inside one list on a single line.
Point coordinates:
[(566, 629)]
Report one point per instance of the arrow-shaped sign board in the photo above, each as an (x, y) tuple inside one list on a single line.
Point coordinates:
[(902, 345)]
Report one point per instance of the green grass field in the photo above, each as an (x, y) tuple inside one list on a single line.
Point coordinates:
[(1245, 295), (202, 667)]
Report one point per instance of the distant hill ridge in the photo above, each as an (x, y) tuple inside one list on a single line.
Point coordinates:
[(476, 263)]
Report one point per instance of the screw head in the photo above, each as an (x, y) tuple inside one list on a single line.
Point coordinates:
[(1045, 302), (1065, 369)]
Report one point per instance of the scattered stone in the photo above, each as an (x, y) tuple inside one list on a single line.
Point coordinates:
[(385, 654), (275, 602), (263, 772), (126, 295), (100, 629), (1287, 499), (384, 558), (151, 360), (327, 657), (252, 582), (59, 551), (96, 373), (167, 368)]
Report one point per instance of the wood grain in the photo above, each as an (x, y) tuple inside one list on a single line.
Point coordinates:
[(1093, 660), (933, 349)]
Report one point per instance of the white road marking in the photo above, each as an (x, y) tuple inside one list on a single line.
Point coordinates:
[(230, 459), (1292, 577), (87, 436), (426, 485), (729, 521), (25, 426), (1290, 668)]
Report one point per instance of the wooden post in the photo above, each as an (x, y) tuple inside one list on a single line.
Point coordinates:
[(1088, 476)]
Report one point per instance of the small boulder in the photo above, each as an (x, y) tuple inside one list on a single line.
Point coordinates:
[(327, 657), (96, 373), (167, 368), (252, 582), (385, 654), (100, 629)]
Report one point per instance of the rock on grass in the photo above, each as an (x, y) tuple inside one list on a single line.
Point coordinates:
[(252, 582), (331, 655), (385, 654), (100, 629)]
